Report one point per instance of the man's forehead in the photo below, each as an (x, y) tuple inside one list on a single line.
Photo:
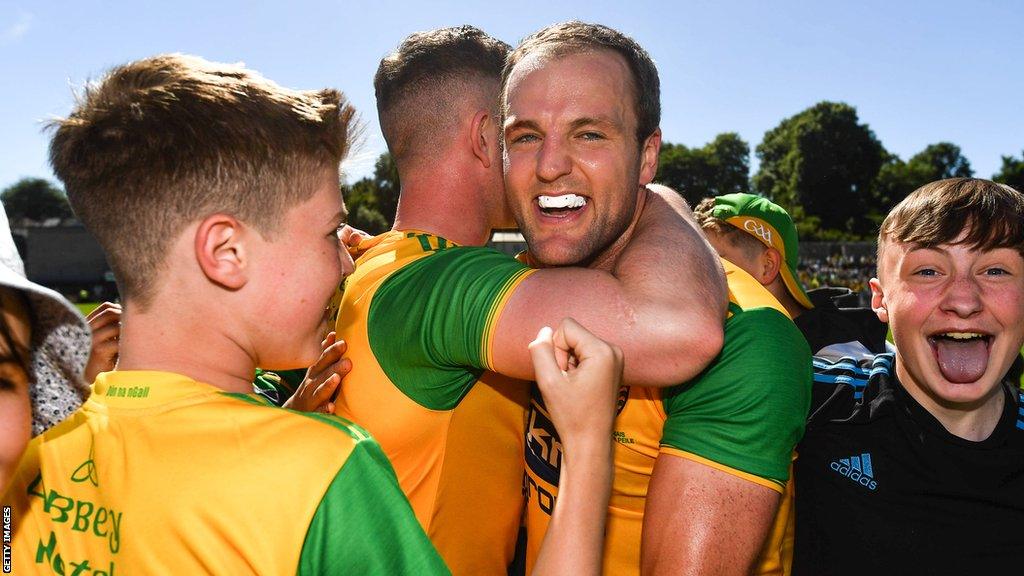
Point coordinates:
[(550, 56), (600, 95)]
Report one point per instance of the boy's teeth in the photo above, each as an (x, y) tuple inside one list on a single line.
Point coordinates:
[(962, 335), (563, 201)]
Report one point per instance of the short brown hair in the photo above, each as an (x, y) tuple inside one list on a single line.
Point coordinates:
[(940, 212), (419, 83), (574, 37), (162, 142), (750, 245)]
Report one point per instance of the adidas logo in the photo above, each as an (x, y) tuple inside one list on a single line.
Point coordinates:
[(856, 468)]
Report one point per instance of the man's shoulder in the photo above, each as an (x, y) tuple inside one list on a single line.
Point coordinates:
[(421, 259)]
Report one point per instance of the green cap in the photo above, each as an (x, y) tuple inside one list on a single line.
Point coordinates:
[(769, 223)]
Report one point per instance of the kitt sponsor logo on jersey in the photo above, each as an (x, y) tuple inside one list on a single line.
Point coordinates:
[(543, 446), (856, 468), (620, 402)]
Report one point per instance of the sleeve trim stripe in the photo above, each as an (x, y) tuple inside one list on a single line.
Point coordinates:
[(766, 482), (494, 313)]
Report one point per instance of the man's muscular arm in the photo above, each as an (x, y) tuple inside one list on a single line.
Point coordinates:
[(703, 521), (663, 303)]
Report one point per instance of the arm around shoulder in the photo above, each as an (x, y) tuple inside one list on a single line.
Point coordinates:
[(663, 303)]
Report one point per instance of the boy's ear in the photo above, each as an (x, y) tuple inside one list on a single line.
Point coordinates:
[(220, 251), (878, 300)]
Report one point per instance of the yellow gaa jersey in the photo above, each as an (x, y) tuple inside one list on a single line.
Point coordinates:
[(742, 415), (418, 315), (159, 474)]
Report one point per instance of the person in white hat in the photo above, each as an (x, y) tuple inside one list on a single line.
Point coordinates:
[(44, 348)]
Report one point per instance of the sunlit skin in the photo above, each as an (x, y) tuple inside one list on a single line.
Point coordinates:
[(570, 127), (925, 292), (298, 270), (15, 410), (733, 253)]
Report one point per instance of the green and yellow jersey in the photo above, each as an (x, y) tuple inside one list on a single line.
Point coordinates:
[(160, 474), (742, 415), (418, 315)]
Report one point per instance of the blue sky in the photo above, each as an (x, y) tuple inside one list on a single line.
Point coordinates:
[(918, 72)]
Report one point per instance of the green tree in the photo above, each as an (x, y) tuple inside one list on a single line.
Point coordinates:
[(897, 178), (824, 162), (720, 167), (372, 202), (893, 183), (385, 177), (937, 162), (1012, 172), (34, 199), (361, 202)]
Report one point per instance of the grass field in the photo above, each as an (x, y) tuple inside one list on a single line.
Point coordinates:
[(87, 307)]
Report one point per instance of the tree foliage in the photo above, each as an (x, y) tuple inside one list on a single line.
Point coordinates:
[(36, 200), (372, 202), (824, 161), (722, 166), (1012, 172), (937, 162), (897, 178)]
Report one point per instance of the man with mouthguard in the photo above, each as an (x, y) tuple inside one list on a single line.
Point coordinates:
[(430, 311)]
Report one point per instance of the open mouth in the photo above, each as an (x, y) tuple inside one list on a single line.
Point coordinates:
[(962, 356), (561, 206)]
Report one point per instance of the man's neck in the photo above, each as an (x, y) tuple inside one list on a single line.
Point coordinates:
[(184, 342), (974, 423), (444, 205)]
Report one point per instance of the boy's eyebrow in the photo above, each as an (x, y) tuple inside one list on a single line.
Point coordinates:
[(341, 216)]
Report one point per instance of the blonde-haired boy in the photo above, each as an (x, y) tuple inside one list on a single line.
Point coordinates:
[(214, 193)]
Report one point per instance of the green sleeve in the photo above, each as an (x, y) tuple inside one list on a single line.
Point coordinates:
[(430, 322), (277, 386), (364, 524), (747, 410)]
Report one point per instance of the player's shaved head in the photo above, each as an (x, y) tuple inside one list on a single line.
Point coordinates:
[(422, 86)]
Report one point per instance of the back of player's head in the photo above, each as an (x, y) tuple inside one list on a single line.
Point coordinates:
[(421, 84), (704, 214), (576, 37), (743, 218), (162, 142), (980, 214)]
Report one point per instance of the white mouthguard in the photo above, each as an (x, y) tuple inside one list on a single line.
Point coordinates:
[(563, 201)]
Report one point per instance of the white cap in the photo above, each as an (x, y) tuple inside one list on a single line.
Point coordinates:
[(60, 345)]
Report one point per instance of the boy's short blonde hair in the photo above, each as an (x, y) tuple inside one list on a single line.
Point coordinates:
[(988, 215), (162, 142)]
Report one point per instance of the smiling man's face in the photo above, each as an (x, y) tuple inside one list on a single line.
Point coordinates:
[(572, 162), (957, 318)]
